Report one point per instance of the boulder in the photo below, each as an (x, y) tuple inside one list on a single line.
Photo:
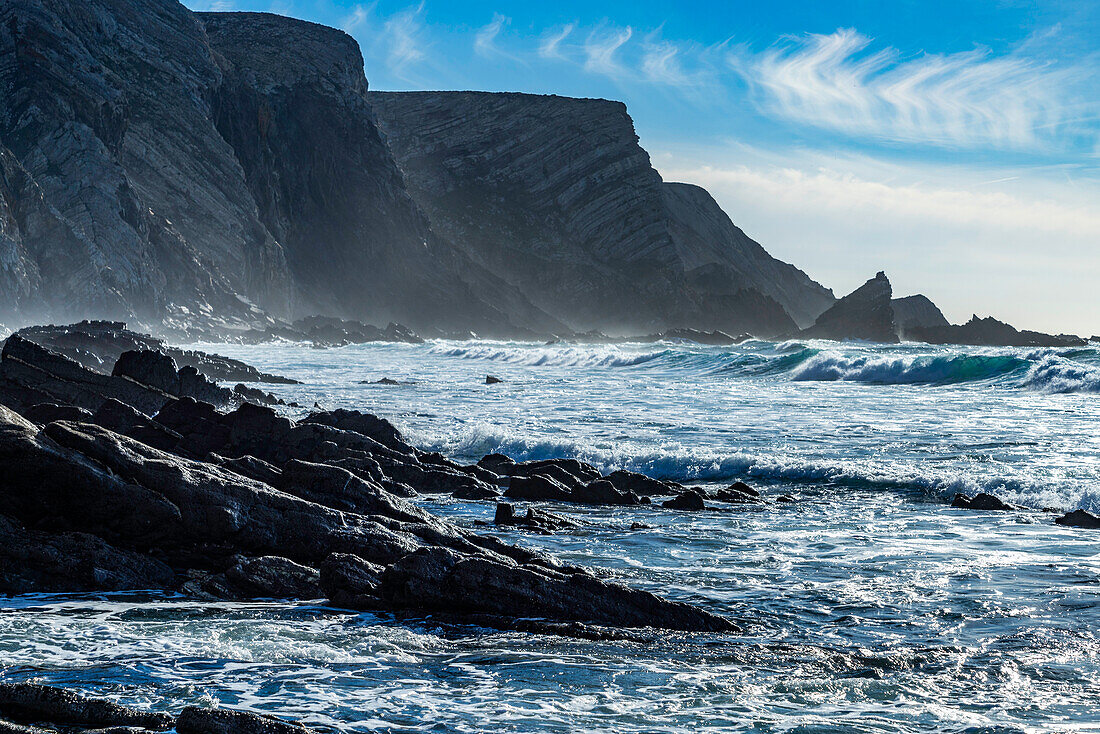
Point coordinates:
[(640, 484), (43, 413), (195, 720), (981, 501), (440, 579), (1079, 519), (274, 577), (149, 368), (31, 702), (380, 429), (538, 487), (603, 492), (685, 501), (539, 520), (490, 380)]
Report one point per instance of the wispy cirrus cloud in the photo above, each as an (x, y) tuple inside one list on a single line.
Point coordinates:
[(965, 99), (600, 49), (405, 31), (550, 45)]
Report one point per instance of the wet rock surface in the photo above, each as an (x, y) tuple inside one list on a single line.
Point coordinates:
[(175, 494)]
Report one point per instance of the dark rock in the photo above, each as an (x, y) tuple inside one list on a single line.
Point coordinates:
[(982, 501), (350, 581), (195, 720), (603, 492), (1079, 519), (380, 429), (38, 562), (991, 332), (43, 413), (490, 380), (48, 377), (546, 522), (194, 384), (738, 492), (121, 418), (627, 481), (916, 312), (865, 313), (275, 577), (685, 501), (255, 395), (538, 487), (251, 467), (631, 252), (475, 493), (639, 526), (440, 579), (149, 368), (498, 463), (785, 498), (31, 702)]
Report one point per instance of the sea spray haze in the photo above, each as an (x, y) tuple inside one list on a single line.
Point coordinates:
[(868, 604)]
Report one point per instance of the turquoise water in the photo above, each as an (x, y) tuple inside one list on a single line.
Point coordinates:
[(867, 605)]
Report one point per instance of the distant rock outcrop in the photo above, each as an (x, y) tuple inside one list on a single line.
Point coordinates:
[(556, 196), (991, 332), (916, 312), (865, 313)]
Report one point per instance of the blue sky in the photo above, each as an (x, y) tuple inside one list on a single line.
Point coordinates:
[(954, 144)]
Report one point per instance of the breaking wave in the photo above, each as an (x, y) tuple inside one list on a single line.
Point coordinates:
[(685, 465)]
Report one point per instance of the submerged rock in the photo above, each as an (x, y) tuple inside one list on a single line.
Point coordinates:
[(981, 501), (31, 702), (1079, 519), (195, 720), (490, 380)]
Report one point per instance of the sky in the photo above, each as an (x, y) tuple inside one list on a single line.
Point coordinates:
[(955, 145)]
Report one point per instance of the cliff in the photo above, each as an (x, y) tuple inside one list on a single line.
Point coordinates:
[(916, 312), (556, 196), (865, 313), (228, 168)]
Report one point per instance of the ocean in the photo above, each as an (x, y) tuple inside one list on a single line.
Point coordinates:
[(867, 604)]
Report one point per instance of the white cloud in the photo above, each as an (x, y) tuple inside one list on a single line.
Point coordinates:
[(661, 63), (485, 40), (965, 99), (405, 32), (600, 48), (550, 46)]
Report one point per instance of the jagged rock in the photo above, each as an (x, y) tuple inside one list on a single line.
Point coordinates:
[(497, 463), (916, 312), (255, 395), (627, 481), (440, 579), (380, 429), (193, 384), (98, 345), (981, 501), (121, 418), (1079, 519), (195, 720), (738, 492), (603, 492), (33, 374), (43, 413), (991, 332), (275, 577), (490, 380), (32, 702), (149, 368), (38, 562), (475, 493), (538, 487), (350, 581), (545, 522), (251, 467), (685, 501), (865, 313)]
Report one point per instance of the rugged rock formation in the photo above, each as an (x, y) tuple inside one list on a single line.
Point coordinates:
[(251, 504), (916, 312), (556, 196), (865, 313), (991, 332)]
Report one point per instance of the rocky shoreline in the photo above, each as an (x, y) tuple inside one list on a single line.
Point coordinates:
[(141, 479)]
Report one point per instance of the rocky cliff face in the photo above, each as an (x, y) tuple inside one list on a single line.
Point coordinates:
[(865, 313), (172, 166), (556, 196), (105, 106), (916, 312)]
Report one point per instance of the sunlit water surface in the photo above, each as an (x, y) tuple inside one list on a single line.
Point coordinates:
[(867, 605)]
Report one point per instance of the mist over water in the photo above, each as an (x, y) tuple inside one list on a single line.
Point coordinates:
[(867, 605)]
